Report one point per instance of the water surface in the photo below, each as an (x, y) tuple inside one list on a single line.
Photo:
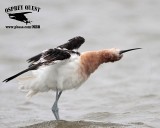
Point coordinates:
[(126, 92)]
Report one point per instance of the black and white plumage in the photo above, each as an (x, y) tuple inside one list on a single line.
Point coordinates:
[(53, 69), (62, 68), (70, 46), (50, 56)]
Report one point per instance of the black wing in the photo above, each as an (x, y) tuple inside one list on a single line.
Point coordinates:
[(34, 67), (47, 58), (72, 44), (51, 55), (34, 58)]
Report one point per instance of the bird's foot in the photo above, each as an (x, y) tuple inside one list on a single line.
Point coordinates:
[(55, 111)]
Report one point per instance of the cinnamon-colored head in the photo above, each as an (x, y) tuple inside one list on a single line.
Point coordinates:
[(90, 61), (109, 55)]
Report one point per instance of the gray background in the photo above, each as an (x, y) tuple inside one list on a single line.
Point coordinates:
[(125, 92)]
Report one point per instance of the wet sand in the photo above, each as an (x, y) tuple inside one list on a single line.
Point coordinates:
[(75, 124)]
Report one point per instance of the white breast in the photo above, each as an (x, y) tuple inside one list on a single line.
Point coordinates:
[(68, 74), (63, 75)]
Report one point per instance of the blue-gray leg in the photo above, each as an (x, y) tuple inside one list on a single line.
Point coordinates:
[(55, 105)]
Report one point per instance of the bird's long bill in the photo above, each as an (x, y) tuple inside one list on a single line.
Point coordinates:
[(123, 51)]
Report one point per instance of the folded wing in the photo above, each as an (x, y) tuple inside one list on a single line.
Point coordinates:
[(50, 56), (71, 45), (47, 57)]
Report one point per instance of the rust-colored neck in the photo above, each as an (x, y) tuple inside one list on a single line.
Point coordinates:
[(91, 60)]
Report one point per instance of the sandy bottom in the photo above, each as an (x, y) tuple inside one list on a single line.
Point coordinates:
[(76, 124)]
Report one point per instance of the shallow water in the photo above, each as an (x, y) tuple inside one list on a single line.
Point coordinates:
[(126, 92)]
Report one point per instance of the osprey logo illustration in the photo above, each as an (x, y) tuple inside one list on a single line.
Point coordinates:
[(23, 15), (20, 17)]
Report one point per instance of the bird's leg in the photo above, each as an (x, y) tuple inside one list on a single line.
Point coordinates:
[(55, 105), (59, 94)]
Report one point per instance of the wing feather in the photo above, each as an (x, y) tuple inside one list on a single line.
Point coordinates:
[(47, 58), (71, 45)]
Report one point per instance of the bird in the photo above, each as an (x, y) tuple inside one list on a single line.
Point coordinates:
[(64, 68), (20, 17)]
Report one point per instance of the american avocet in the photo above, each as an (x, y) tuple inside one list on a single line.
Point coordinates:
[(64, 68)]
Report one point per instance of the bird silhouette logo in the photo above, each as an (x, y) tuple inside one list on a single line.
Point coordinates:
[(20, 17)]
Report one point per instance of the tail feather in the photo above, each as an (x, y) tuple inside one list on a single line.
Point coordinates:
[(26, 84), (14, 76), (31, 93), (33, 67)]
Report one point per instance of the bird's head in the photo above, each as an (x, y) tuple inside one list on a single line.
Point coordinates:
[(111, 55)]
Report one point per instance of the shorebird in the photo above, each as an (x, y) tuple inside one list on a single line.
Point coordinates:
[(63, 68)]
